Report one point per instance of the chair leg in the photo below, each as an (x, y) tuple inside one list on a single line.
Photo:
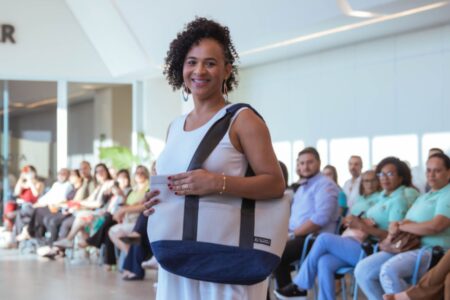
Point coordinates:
[(355, 290), (344, 288)]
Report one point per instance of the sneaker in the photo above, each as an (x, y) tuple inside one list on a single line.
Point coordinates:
[(64, 243), (291, 291)]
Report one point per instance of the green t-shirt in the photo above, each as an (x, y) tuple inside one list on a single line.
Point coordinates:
[(363, 203), (428, 206), (389, 208), (136, 195), (411, 195)]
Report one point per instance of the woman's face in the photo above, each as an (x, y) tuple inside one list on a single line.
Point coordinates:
[(437, 175), (100, 174), (370, 183), (122, 179), (140, 176), (389, 178), (74, 179), (329, 173), (204, 69)]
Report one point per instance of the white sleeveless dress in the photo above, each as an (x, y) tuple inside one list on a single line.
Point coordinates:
[(174, 159)]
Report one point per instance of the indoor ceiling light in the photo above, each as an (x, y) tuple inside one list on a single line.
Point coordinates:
[(343, 28), (347, 10)]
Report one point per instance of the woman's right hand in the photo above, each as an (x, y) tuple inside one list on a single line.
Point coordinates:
[(150, 201)]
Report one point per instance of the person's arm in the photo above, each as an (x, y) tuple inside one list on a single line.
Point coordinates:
[(306, 228), (19, 185), (254, 138), (36, 187), (326, 205), (436, 225)]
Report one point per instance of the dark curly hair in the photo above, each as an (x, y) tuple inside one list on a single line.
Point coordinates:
[(200, 28), (403, 170)]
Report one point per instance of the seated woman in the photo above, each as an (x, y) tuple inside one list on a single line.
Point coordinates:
[(130, 199), (27, 190), (84, 210), (330, 171), (127, 215), (429, 218), (435, 284), (331, 252)]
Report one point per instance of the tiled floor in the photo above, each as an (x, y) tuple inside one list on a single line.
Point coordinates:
[(26, 277)]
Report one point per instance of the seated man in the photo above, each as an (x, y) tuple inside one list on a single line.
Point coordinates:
[(49, 203), (314, 209)]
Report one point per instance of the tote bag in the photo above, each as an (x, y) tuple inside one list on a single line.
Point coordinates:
[(224, 240)]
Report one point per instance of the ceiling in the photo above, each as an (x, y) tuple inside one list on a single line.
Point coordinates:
[(262, 32), (260, 24)]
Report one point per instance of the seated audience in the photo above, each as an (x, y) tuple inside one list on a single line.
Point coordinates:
[(331, 252), (331, 172), (429, 218), (84, 211), (314, 209), (125, 218), (102, 236)]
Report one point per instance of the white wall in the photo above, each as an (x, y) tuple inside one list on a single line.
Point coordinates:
[(49, 43), (393, 86), (161, 106)]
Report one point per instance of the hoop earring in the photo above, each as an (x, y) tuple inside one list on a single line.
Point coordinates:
[(225, 90), (185, 92)]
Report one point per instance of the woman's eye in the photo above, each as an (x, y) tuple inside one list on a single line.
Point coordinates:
[(210, 64), (190, 62)]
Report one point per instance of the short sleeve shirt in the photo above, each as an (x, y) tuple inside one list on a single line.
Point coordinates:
[(364, 203), (428, 206), (389, 208)]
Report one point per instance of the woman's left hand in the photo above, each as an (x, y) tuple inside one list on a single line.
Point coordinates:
[(197, 182)]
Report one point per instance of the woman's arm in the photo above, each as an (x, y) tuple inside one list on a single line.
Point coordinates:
[(250, 135), (36, 187), (367, 226), (436, 225)]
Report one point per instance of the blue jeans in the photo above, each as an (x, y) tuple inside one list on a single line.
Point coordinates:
[(387, 273), (329, 253)]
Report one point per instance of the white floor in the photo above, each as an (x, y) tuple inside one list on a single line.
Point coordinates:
[(27, 277)]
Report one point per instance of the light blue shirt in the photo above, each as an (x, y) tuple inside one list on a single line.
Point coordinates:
[(317, 201)]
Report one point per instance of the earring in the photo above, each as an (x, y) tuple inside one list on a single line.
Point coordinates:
[(225, 90), (185, 92)]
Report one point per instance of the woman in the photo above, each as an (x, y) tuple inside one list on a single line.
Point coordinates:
[(27, 190), (83, 211), (131, 200), (428, 218), (331, 172), (331, 252), (369, 191), (201, 60)]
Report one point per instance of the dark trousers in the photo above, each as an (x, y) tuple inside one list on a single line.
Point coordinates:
[(102, 237), (23, 217), (36, 227), (139, 253), (292, 252), (53, 223)]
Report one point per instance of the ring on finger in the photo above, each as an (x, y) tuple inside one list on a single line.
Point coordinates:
[(185, 186)]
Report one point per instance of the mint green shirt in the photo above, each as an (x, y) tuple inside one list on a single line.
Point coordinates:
[(389, 208), (428, 206), (363, 203), (411, 195)]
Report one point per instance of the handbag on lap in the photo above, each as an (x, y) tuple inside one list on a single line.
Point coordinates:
[(400, 242), (217, 239)]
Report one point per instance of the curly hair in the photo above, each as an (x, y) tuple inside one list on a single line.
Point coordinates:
[(402, 169), (200, 28)]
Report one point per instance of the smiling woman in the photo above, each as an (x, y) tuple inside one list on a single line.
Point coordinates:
[(201, 61)]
